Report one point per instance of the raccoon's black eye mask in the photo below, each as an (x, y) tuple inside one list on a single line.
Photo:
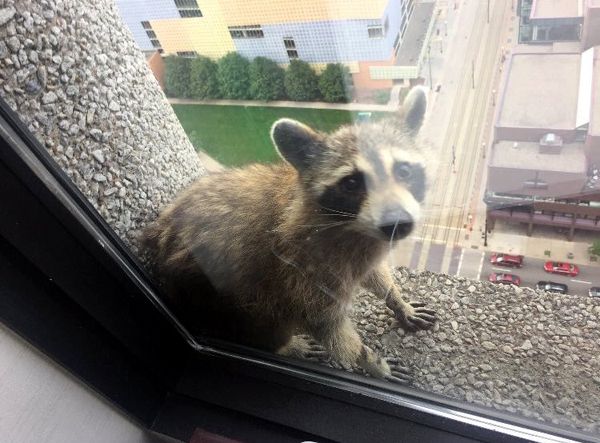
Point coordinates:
[(346, 196)]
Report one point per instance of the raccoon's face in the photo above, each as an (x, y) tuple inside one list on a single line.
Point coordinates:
[(371, 176)]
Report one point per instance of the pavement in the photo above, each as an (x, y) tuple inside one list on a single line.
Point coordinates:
[(390, 107)]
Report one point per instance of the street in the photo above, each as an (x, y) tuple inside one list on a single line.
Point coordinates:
[(533, 271), (457, 123)]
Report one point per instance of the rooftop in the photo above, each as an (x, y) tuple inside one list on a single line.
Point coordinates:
[(571, 158), (541, 91), (556, 9)]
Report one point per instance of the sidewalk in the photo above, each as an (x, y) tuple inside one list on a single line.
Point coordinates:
[(543, 244), (287, 104)]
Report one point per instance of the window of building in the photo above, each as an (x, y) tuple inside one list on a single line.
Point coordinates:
[(292, 54), (247, 31), (289, 43), (189, 54), (188, 8), (152, 36), (375, 31)]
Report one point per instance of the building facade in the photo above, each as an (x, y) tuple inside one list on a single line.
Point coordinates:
[(358, 33), (549, 21), (544, 163)]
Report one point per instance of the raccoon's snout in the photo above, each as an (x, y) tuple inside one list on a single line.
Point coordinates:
[(397, 223)]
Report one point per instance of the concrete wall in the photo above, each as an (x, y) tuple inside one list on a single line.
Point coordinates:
[(40, 402), (591, 26)]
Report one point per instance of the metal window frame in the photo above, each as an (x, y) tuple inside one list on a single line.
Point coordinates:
[(106, 323)]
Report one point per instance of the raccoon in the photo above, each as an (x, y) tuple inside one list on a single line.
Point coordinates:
[(285, 246)]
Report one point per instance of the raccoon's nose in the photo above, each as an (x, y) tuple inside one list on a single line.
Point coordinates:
[(397, 223)]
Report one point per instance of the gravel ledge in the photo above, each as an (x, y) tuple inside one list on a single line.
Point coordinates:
[(513, 349), (73, 73)]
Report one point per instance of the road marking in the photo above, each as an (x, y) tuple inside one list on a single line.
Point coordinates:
[(462, 254), (480, 266), (581, 281), (503, 269)]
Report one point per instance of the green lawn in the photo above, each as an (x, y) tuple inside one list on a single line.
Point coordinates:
[(237, 135)]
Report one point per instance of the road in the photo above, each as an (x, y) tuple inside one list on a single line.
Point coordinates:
[(457, 125), (532, 272)]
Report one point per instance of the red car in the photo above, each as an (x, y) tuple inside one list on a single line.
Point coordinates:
[(555, 267), (506, 279), (511, 261)]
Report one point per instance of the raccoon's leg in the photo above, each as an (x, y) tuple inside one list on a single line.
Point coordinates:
[(412, 315), (303, 347), (343, 342)]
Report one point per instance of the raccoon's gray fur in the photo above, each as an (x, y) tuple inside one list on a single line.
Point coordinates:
[(285, 246)]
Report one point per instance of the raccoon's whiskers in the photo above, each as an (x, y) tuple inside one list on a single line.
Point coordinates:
[(392, 239), (349, 214)]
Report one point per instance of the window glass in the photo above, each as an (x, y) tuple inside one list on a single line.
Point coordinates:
[(409, 190)]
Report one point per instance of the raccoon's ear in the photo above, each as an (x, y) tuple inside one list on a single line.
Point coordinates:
[(295, 142), (413, 108)]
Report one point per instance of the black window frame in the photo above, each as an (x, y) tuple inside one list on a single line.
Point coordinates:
[(187, 54), (246, 31), (375, 31), (188, 8), (107, 325)]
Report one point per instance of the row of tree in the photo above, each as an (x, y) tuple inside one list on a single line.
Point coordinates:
[(235, 77)]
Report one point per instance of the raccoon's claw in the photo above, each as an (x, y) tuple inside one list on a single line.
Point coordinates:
[(398, 373), (415, 316)]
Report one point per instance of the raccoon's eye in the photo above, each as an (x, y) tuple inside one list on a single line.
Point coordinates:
[(402, 170), (352, 183)]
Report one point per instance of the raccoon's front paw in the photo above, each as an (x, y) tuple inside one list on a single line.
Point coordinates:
[(303, 347), (311, 349), (397, 373), (413, 316)]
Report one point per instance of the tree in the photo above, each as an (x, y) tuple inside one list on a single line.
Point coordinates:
[(266, 79), (335, 83), (234, 76), (204, 78), (177, 76), (301, 82), (594, 249)]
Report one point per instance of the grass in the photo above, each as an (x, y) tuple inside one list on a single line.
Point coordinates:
[(238, 135)]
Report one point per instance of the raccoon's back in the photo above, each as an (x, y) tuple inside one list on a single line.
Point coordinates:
[(222, 225)]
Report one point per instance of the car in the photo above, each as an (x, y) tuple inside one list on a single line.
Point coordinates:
[(594, 291), (503, 278), (508, 260), (561, 268), (551, 286)]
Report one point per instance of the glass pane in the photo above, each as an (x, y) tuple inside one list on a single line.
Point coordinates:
[(406, 190)]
